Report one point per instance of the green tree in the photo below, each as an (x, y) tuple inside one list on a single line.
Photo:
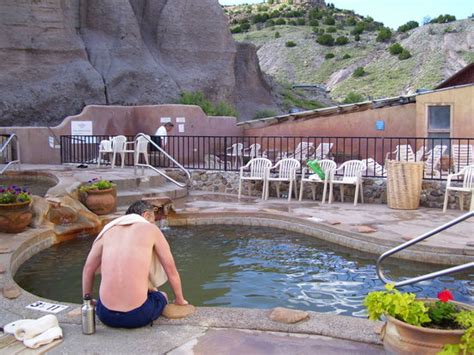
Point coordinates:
[(408, 26), (405, 54), (325, 40), (330, 21), (342, 40), (395, 49)]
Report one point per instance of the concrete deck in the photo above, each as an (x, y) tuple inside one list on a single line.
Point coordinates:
[(231, 330)]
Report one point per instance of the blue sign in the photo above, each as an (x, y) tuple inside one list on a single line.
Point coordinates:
[(380, 125)]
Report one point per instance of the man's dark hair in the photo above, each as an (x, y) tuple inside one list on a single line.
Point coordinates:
[(140, 207), (169, 124)]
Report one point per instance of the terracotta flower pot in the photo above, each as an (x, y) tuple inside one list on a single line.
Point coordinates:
[(402, 338), (15, 217), (101, 201)]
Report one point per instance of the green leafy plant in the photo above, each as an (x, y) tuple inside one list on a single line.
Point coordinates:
[(439, 315), (96, 184), (358, 72), (13, 194), (290, 44)]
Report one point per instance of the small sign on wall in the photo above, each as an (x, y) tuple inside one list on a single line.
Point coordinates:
[(380, 125), (180, 119), (181, 128), (81, 128), (165, 119)]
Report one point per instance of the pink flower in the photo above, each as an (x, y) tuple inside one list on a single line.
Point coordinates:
[(445, 296)]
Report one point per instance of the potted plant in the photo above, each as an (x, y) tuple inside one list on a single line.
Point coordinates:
[(100, 196), (15, 213), (426, 326)]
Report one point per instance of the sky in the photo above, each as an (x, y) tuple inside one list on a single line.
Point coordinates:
[(394, 13)]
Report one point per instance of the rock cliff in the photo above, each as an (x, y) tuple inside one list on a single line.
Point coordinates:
[(56, 56)]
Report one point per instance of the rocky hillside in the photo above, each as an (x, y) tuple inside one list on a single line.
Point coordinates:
[(291, 54), (58, 55)]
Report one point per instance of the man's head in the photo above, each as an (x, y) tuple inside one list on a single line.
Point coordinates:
[(144, 209), (169, 126)]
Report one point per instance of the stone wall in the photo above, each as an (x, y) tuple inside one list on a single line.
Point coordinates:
[(432, 194)]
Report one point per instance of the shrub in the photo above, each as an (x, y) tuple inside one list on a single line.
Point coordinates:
[(198, 98), (395, 49), (301, 21), (357, 38), (443, 19), (359, 28), (385, 34), (330, 21), (331, 30), (264, 113), (270, 23), (245, 26), (353, 97), (346, 56), (313, 23), (358, 72), (405, 54), (351, 21), (342, 40), (329, 55), (236, 29), (290, 44), (277, 34), (325, 40), (408, 26), (280, 21), (224, 109)]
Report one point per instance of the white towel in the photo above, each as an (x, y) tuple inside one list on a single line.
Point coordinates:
[(10, 328), (44, 338), (33, 328), (157, 275)]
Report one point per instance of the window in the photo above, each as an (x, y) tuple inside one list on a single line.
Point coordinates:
[(439, 121)]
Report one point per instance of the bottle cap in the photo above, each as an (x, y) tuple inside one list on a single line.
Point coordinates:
[(87, 297)]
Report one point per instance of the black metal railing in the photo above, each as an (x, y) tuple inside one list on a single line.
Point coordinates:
[(441, 156)]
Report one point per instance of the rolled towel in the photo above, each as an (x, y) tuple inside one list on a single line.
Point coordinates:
[(35, 327), (45, 338), (10, 328)]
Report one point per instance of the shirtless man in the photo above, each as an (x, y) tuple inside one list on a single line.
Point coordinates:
[(124, 255)]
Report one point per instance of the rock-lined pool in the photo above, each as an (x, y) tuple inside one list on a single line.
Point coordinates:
[(252, 267)]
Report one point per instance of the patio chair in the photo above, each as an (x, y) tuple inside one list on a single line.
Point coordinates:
[(303, 151), (421, 153), (285, 171), (120, 148), (253, 151), (327, 166), (402, 152), (105, 148), (351, 175), (213, 162), (257, 168), (322, 151), (141, 147), (467, 174), (235, 152), (433, 159), (373, 168), (462, 155)]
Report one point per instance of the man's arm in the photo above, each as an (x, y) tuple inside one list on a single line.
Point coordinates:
[(92, 264), (162, 249)]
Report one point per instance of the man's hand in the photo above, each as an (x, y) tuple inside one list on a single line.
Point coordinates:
[(182, 302)]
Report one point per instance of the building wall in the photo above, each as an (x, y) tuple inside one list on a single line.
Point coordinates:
[(40, 145), (399, 122), (462, 112)]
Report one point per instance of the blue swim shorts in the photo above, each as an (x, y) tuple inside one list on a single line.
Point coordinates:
[(138, 317)]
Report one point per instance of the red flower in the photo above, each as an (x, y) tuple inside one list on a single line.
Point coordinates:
[(445, 296)]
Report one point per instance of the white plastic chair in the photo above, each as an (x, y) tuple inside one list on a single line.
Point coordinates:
[(213, 162), (402, 152), (141, 147), (235, 152), (462, 155), (285, 172), (327, 166), (253, 151), (119, 147), (351, 175), (105, 147), (322, 151), (467, 186), (373, 168), (302, 152), (433, 159), (257, 168), (421, 153)]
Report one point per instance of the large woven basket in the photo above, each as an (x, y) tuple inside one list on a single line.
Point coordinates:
[(404, 181)]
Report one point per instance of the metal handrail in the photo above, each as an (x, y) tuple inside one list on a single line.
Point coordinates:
[(4, 146), (415, 241), (162, 173)]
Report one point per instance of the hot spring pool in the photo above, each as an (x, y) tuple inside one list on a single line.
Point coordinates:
[(35, 183), (252, 267)]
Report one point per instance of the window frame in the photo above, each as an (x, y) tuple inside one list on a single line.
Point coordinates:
[(439, 130)]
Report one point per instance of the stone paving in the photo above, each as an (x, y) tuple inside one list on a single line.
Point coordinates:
[(213, 330)]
